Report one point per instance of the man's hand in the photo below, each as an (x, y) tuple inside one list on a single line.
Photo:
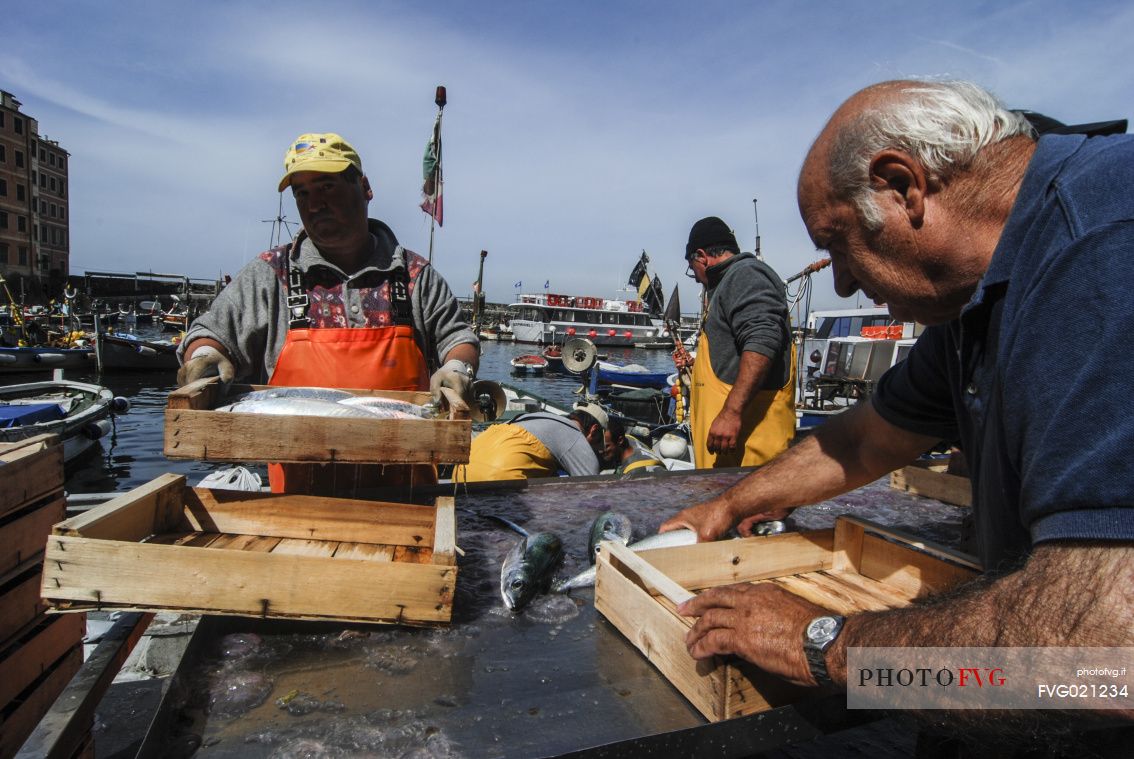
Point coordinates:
[(206, 361), (762, 624), (724, 432), (456, 375), (709, 520)]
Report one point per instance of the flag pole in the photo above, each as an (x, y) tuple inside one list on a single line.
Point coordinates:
[(440, 99)]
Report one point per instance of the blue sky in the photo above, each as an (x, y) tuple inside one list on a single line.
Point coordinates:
[(576, 135)]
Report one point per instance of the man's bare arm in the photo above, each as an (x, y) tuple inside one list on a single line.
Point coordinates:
[(854, 448)]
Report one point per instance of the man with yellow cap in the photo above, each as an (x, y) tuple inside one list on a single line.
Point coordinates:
[(343, 305)]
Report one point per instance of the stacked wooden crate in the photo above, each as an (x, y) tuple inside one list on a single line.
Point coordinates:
[(38, 654)]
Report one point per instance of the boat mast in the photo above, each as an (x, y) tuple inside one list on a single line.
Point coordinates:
[(478, 295), (756, 213)]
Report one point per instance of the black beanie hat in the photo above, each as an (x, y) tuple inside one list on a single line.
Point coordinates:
[(708, 233)]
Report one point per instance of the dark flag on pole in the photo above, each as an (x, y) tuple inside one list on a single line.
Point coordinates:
[(639, 271), (673, 309), (655, 298)]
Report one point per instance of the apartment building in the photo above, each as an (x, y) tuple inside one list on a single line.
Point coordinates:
[(34, 205)]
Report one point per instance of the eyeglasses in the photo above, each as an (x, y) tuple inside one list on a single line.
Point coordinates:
[(689, 269)]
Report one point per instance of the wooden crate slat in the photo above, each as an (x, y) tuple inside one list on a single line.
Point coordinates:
[(30, 470), (19, 597), (413, 555), (660, 635), (309, 517), (445, 531), (706, 565), (830, 595), (879, 591), (365, 552), (19, 723), (25, 531), (245, 543), (911, 572), (244, 582), (150, 509), (32, 653), (228, 437), (299, 547), (930, 483)]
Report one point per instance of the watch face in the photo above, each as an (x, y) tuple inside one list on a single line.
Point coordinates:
[(822, 628)]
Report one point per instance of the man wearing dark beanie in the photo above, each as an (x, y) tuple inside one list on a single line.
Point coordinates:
[(743, 395)]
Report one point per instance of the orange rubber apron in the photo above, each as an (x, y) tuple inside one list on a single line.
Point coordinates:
[(371, 358), (767, 424)]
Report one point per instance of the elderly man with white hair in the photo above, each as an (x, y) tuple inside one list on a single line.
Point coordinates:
[(934, 199)]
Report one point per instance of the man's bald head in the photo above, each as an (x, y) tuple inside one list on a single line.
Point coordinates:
[(943, 125), (908, 187)]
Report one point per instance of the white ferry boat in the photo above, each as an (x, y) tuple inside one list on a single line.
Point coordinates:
[(548, 318)]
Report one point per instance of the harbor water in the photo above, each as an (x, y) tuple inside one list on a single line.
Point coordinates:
[(132, 455)]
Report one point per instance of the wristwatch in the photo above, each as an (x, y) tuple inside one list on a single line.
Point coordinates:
[(817, 638)]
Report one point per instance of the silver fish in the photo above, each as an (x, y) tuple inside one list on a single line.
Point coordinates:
[(608, 526), (297, 407), (312, 393), (528, 567), (381, 406), (586, 578)]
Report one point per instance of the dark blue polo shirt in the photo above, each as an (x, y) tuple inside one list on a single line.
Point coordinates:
[(1035, 379)]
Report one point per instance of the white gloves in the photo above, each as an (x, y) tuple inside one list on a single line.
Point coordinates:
[(455, 375), (207, 361)]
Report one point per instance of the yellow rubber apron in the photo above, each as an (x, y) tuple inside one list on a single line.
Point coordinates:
[(506, 452), (767, 423)]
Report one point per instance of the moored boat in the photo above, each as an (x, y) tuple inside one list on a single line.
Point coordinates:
[(123, 352), (547, 318), (79, 413), (529, 364), (631, 375), (38, 359)]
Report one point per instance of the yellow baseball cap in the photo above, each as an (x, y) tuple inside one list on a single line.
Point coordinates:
[(328, 152)]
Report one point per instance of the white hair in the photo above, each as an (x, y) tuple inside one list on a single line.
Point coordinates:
[(944, 125)]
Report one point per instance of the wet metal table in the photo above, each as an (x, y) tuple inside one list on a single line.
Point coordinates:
[(554, 680)]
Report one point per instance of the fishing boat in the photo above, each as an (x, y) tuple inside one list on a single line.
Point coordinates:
[(176, 319), (631, 375), (79, 413), (125, 352), (554, 356), (38, 359), (845, 353), (530, 363)]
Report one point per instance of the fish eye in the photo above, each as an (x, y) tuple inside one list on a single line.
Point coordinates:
[(517, 584)]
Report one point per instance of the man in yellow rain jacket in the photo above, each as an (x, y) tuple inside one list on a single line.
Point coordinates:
[(743, 395)]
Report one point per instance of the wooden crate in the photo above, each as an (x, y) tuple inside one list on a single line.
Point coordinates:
[(857, 566), (168, 546), (193, 430), (30, 470), (933, 481)]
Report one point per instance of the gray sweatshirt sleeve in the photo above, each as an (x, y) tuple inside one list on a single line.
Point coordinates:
[(755, 311), (438, 316), (244, 318)]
